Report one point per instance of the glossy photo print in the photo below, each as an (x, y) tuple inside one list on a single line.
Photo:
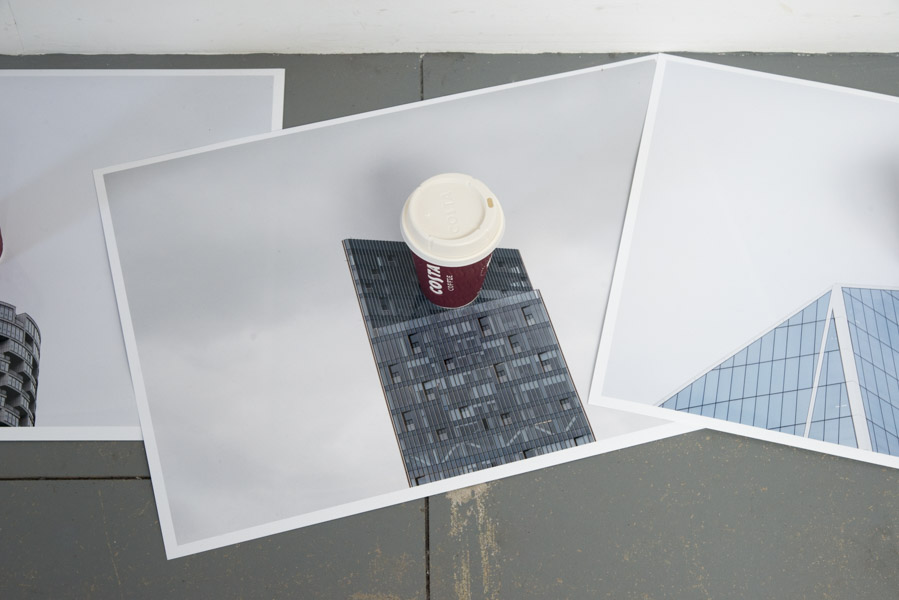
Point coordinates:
[(63, 370), (756, 286), (270, 399)]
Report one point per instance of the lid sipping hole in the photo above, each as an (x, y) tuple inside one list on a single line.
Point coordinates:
[(489, 202)]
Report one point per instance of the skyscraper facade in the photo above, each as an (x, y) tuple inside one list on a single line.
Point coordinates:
[(830, 372), (468, 388), (20, 343)]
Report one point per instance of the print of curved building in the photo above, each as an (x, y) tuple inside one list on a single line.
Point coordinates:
[(830, 372), (20, 344)]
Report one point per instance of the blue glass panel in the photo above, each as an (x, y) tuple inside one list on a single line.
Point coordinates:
[(874, 348), (872, 403), (883, 333), (788, 409), (816, 432), (832, 343), (724, 384), (755, 349), (803, 397), (764, 380), (721, 411), (880, 440), (794, 340), (777, 375), (834, 368), (774, 407), (736, 382), (823, 304), (877, 301), (761, 412), (809, 313), (889, 309), (847, 433), (696, 391), (791, 374), (748, 415), (807, 345), (832, 431), (682, 400), (750, 386), (887, 354), (780, 342), (866, 297), (818, 410), (889, 421), (767, 347), (711, 387), (832, 402), (733, 410), (806, 372)]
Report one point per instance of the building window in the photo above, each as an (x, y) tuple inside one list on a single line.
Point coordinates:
[(395, 375), (484, 322), (442, 435), (529, 317), (515, 342), (450, 363), (506, 418), (465, 411), (385, 303), (545, 362), (408, 420), (565, 403), (430, 389), (415, 343), (530, 453), (501, 374), (487, 425)]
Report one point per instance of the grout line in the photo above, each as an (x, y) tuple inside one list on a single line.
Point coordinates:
[(427, 548), (421, 76), (110, 478)]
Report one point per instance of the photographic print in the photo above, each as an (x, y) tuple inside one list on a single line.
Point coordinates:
[(57, 127), (259, 394), (756, 283)]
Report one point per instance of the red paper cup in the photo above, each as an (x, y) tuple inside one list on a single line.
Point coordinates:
[(452, 223)]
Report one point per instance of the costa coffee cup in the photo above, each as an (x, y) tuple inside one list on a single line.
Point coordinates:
[(452, 223)]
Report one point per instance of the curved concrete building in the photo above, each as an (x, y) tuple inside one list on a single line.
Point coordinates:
[(20, 353)]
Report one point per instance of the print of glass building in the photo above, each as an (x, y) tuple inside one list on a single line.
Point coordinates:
[(472, 387), (20, 352), (830, 372)]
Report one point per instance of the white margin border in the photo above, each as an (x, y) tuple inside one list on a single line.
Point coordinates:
[(103, 433)]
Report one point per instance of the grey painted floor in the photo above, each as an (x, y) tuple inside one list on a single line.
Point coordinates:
[(706, 515)]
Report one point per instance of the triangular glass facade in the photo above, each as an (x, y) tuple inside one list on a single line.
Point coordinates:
[(769, 382), (784, 381), (874, 330)]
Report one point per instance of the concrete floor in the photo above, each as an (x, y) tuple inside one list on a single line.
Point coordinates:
[(705, 515)]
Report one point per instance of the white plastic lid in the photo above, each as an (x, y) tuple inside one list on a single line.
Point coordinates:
[(452, 220)]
